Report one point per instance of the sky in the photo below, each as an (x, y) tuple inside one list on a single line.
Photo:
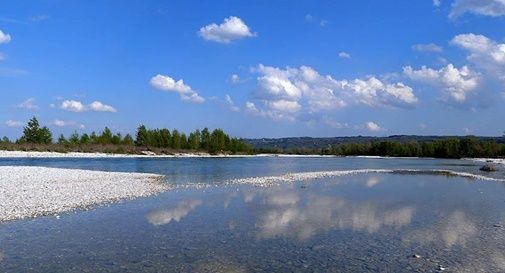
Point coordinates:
[(255, 68)]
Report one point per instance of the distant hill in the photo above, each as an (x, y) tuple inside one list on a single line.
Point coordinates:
[(325, 142)]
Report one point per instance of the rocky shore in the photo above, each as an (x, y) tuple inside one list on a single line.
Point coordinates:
[(35, 191)]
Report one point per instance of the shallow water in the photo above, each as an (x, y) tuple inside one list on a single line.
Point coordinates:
[(370, 222)]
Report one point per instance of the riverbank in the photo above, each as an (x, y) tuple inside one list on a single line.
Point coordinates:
[(27, 192), (146, 154)]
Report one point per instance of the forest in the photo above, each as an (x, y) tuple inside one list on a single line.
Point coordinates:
[(161, 141), (165, 141)]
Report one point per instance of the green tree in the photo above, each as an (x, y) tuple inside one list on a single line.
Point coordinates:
[(62, 140), (106, 136), (194, 140), (142, 136), (74, 138), (128, 140), (116, 139), (205, 139), (176, 139), (85, 139)]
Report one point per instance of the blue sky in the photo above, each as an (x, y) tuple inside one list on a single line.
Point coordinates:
[(255, 68)]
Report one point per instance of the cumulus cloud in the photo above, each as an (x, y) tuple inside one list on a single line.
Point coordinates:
[(73, 106), (282, 93), (14, 123), (228, 100), (234, 78), (78, 107), (484, 52), (166, 83), (233, 28), (65, 123), (493, 8), (344, 55), (4, 37), (431, 47), (28, 104), (436, 3), (456, 83), (373, 127), (100, 107)]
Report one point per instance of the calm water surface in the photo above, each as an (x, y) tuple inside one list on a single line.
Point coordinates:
[(359, 223)]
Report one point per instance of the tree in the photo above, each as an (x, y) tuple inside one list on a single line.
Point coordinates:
[(74, 138), (62, 140), (85, 139), (176, 139), (106, 136), (128, 140), (116, 139), (32, 133), (205, 139), (93, 138), (194, 140), (45, 136), (142, 136)]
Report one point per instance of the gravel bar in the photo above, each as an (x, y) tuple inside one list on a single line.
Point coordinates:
[(36, 191)]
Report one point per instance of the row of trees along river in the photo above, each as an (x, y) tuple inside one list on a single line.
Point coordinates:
[(40, 138)]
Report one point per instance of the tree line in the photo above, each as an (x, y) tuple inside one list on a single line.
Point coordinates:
[(447, 148), (216, 141)]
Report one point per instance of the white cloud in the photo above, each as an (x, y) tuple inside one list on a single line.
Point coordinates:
[(373, 127), (100, 107), (78, 107), (166, 83), (436, 3), (431, 47), (457, 84), (323, 23), (283, 93), (235, 78), (344, 55), (309, 17), (73, 106), (29, 104), (492, 8), (230, 103), (335, 124), (232, 28), (14, 123), (66, 123), (484, 52), (60, 123), (251, 107), (374, 92), (4, 37)]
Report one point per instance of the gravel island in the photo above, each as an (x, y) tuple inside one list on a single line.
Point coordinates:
[(35, 191)]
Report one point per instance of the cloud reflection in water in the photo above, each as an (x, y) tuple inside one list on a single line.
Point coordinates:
[(287, 216), (163, 217)]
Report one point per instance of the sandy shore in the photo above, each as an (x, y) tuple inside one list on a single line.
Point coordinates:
[(34, 191)]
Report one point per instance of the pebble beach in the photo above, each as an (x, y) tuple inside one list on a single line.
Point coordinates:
[(27, 192)]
